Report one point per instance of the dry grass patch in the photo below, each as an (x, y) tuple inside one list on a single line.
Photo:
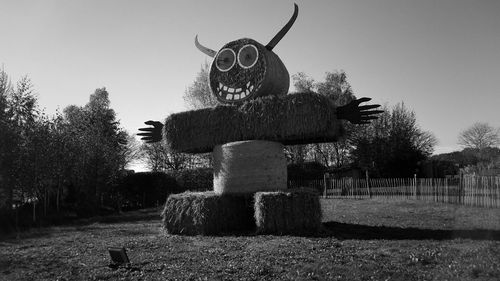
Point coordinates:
[(80, 253)]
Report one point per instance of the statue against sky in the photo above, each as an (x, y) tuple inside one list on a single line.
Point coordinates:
[(255, 118)]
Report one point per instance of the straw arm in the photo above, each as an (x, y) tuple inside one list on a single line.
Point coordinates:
[(291, 119)]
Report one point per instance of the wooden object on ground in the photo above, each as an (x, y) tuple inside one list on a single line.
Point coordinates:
[(288, 212), (249, 166)]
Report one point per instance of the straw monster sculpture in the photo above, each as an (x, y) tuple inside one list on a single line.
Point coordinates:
[(255, 118)]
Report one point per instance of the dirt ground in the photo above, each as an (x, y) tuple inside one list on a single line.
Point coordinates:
[(361, 240)]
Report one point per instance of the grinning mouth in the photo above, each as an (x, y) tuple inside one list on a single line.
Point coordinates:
[(229, 93)]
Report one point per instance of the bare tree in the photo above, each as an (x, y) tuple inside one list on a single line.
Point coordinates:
[(8, 142), (159, 158), (392, 145), (337, 88), (303, 83), (297, 154), (198, 95), (480, 135), (132, 148)]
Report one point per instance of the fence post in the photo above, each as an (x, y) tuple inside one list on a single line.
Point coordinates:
[(415, 186), (368, 184), (460, 187), (447, 193), (325, 176)]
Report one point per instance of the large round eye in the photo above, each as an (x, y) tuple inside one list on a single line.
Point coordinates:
[(248, 56), (225, 60)]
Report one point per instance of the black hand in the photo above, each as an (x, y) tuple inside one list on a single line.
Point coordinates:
[(153, 134), (356, 114)]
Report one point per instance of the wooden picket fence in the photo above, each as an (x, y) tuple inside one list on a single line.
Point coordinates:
[(482, 191)]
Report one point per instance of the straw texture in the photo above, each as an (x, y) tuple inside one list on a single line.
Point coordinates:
[(287, 212), (290, 119), (206, 213), (249, 166)]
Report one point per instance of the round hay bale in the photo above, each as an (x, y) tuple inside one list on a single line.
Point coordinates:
[(249, 167), (235, 84)]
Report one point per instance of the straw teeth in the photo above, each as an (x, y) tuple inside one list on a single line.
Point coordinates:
[(230, 93)]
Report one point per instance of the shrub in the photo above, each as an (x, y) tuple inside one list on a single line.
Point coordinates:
[(306, 171), (7, 221), (206, 213), (146, 189), (200, 179), (290, 212)]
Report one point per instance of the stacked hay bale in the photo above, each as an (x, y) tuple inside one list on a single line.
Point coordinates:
[(287, 212), (246, 135), (247, 144), (207, 213)]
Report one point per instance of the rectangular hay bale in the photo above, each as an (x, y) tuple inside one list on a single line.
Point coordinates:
[(207, 213), (291, 119), (287, 212)]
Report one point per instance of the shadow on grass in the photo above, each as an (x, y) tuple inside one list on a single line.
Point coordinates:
[(121, 218), (366, 232), (85, 224)]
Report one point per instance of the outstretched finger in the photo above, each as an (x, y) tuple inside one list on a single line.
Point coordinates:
[(367, 107), (372, 112), (153, 123), (146, 129), (363, 99), (146, 138), (144, 134)]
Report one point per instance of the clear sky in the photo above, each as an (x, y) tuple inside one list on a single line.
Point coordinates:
[(442, 58)]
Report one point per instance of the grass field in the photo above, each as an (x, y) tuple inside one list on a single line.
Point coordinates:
[(361, 240)]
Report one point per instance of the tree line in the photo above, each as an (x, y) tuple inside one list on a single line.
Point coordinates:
[(75, 160), (392, 146), (69, 160)]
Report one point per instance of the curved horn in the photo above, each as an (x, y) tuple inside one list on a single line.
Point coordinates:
[(284, 30), (207, 51)]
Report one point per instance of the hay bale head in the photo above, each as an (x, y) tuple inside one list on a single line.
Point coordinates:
[(248, 167), (206, 213), (244, 69), (287, 212)]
